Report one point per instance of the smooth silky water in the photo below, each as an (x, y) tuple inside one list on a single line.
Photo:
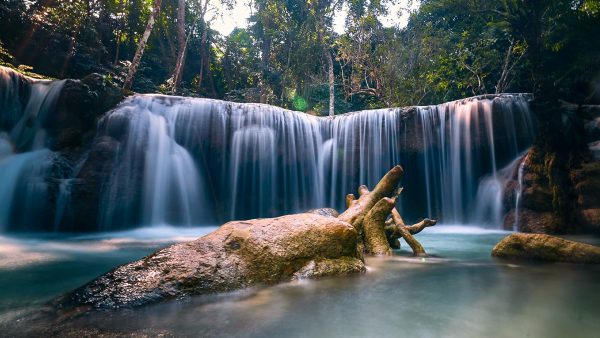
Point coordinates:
[(459, 292), (193, 162)]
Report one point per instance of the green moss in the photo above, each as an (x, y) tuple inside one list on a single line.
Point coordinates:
[(26, 70)]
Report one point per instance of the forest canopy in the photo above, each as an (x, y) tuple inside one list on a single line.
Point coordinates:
[(290, 55)]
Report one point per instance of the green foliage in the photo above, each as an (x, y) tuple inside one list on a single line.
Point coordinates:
[(450, 49)]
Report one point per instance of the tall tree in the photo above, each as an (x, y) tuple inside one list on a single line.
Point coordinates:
[(181, 45), (142, 45), (204, 55)]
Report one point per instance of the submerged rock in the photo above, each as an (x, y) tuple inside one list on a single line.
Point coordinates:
[(547, 248), (237, 255)]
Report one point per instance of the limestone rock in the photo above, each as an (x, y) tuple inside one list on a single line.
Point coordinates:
[(237, 255), (547, 248)]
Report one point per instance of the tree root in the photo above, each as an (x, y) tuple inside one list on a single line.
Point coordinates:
[(369, 212), (374, 234), (360, 207)]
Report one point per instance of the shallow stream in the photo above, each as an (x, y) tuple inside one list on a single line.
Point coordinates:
[(460, 292)]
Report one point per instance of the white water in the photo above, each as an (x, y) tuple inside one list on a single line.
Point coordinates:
[(258, 161), (13, 172), (518, 193), (489, 210), (23, 158), (188, 161)]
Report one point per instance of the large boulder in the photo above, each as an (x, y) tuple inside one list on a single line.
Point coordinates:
[(546, 248), (237, 255)]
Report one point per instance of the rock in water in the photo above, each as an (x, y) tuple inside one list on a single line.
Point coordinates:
[(547, 248), (239, 254)]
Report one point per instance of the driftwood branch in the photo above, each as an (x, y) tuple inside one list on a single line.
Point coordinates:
[(416, 247), (369, 212), (416, 228), (373, 226), (349, 199), (385, 188)]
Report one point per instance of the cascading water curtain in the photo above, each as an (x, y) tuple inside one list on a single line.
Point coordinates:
[(24, 160), (260, 161), (183, 161)]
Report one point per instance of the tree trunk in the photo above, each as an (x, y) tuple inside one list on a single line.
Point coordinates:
[(209, 76), (264, 60), (119, 35), (141, 45), (203, 39), (181, 45), (501, 85), (331, 82)]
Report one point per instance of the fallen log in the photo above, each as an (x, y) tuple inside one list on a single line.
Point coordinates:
[(239, 254)]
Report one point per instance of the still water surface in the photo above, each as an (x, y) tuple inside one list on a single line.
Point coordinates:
[(460, 292)]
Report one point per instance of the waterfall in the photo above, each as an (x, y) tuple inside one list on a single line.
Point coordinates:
[(519, 192), (207, 161), (159, 159), (152, 159), (489, 210), (465, 141), (253, 166), (21, 181), (24, 160)]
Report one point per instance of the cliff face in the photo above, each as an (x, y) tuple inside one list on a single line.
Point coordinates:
[(537, 204)]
